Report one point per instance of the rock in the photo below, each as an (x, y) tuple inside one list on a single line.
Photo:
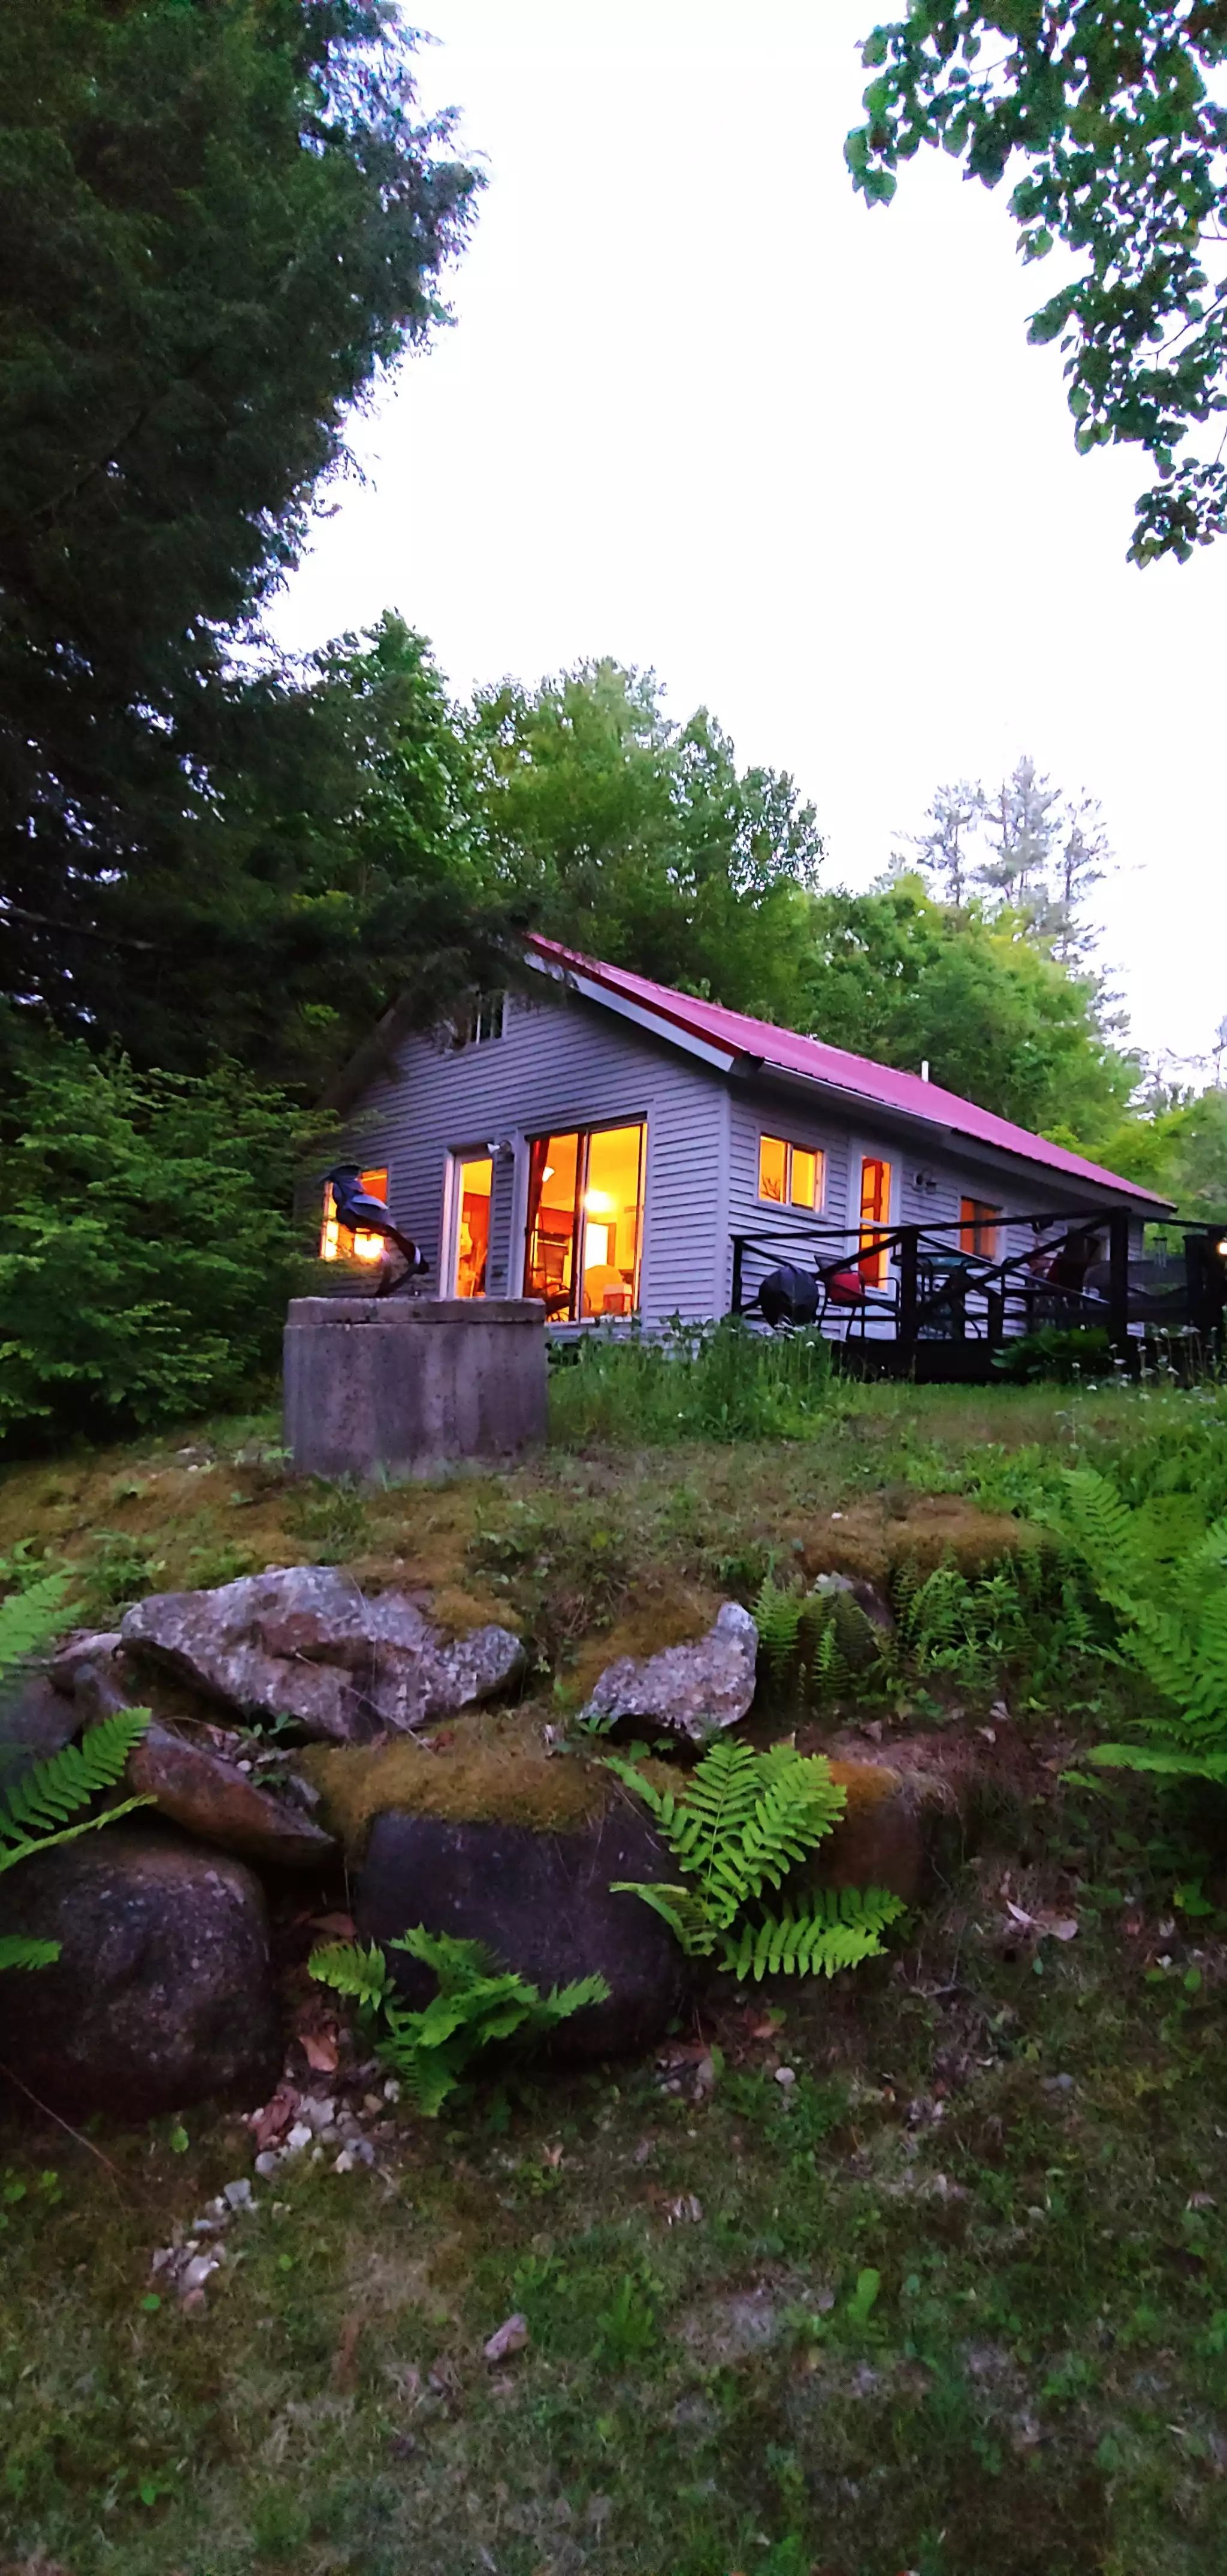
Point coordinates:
[(211, 1797), (894, 1818), (694, 1691), (36, 1721), (84, 1646), (306, 1643), (868, 1599), (162, 1995), (542, 1904)]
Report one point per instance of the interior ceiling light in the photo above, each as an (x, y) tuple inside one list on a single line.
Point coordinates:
[(599, 1203)]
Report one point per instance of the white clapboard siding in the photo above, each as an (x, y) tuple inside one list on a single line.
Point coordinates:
[(562, 1062)]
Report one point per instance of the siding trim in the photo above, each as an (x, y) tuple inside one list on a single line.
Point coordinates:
[(624, 1009)]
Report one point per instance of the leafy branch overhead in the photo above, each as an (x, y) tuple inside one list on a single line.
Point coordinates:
[(1109, 105), (744, 1822)]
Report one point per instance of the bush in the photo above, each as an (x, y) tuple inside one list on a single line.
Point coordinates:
[(146, 1250), (1056, 1355), (698, 1382)]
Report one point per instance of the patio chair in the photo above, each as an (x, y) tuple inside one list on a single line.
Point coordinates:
[(847, 1291)]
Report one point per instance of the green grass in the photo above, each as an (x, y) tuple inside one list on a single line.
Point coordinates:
[(937, 2311), (928, 2308)]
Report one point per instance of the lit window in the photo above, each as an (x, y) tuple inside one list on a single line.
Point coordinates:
[(336, 1241), (789, 1175), (773, 1169), (474, 1186), (803, 1177), (978, 1224), (875, 1216), (585, 1222)]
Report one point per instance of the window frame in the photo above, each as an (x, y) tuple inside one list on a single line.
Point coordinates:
[(583, 1136), (980, 1219), (791, 1145)]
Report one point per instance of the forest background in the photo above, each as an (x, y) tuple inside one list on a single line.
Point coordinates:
[(218, 864)]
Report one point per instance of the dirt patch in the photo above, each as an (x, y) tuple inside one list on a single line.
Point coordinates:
[(671, 1614)]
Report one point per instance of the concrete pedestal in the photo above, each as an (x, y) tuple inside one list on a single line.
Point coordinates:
[(412, 1385)]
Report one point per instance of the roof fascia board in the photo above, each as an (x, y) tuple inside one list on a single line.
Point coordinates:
[(655, 1022), (937, 1132)]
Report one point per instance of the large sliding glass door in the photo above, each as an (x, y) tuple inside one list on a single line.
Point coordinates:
[(585, 1222)]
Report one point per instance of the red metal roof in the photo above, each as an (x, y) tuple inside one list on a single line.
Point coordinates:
[(879, 1083)]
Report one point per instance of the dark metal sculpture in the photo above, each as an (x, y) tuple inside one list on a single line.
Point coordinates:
[(789, 1296), (359, 1213)]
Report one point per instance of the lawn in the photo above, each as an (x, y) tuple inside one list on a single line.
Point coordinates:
[(951, 2299)]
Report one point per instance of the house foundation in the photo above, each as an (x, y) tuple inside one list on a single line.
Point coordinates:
[(409, 1386)]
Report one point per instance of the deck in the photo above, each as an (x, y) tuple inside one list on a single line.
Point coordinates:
[(940, 1302)]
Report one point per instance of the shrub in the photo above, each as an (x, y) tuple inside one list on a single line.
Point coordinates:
[(35, 1810), (1057, 1355), (147, 1246)]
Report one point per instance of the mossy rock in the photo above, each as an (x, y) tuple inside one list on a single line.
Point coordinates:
[(493, 1768)]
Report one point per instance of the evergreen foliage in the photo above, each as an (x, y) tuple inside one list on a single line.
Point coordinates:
[(744, 1822), (147, 1247), (223, 223), (477, 2005)]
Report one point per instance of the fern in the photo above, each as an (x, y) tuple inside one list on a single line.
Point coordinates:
[(778, 1612), (476, 2005), (838, 1928), (34, 1809), (1169, 1596), (28, 1618), (351, 1970), (18, 1950), (744, 1821)]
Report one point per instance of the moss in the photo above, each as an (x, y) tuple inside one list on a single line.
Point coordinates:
[(488, 1769), (873, 1540)]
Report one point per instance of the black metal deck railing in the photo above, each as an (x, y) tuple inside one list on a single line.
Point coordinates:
[(981, 1283)]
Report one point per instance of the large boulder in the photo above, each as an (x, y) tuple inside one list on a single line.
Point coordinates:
[(36, 1720), (209, 1796), (305, 1642), (542, 1904), (693, 1691), (162, 1994)]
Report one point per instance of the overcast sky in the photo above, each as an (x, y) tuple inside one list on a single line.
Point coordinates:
[(703, 410)]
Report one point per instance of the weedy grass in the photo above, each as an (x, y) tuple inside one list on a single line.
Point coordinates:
[(954, 2300)]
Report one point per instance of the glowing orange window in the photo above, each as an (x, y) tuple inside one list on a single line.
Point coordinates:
[(875, 1217)]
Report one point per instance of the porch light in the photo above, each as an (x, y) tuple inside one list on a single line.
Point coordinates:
[(1221, 1249)]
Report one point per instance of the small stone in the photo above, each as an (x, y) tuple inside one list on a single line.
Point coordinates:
[(344, 2162), (198, 2271), (238, 2194), (391, 2090), (1057, 2083), (511, 2336), (267, 2163), (299, 2137)]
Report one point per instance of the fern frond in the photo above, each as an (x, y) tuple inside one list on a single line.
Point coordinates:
[(28, 1618), (688, 1918), (19, 1950), (40, 1802), (778, 1612), (351, 1970), (837, 1929), (1169, 1762)]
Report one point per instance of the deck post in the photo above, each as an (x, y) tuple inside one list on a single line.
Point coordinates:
[(995, 1317), (1118, 1283), (738, 1249), (909, 1247)]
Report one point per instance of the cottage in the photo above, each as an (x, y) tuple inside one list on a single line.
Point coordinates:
[(619, 1149)]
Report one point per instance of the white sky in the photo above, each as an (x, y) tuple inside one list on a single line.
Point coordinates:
[(703, 410)]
